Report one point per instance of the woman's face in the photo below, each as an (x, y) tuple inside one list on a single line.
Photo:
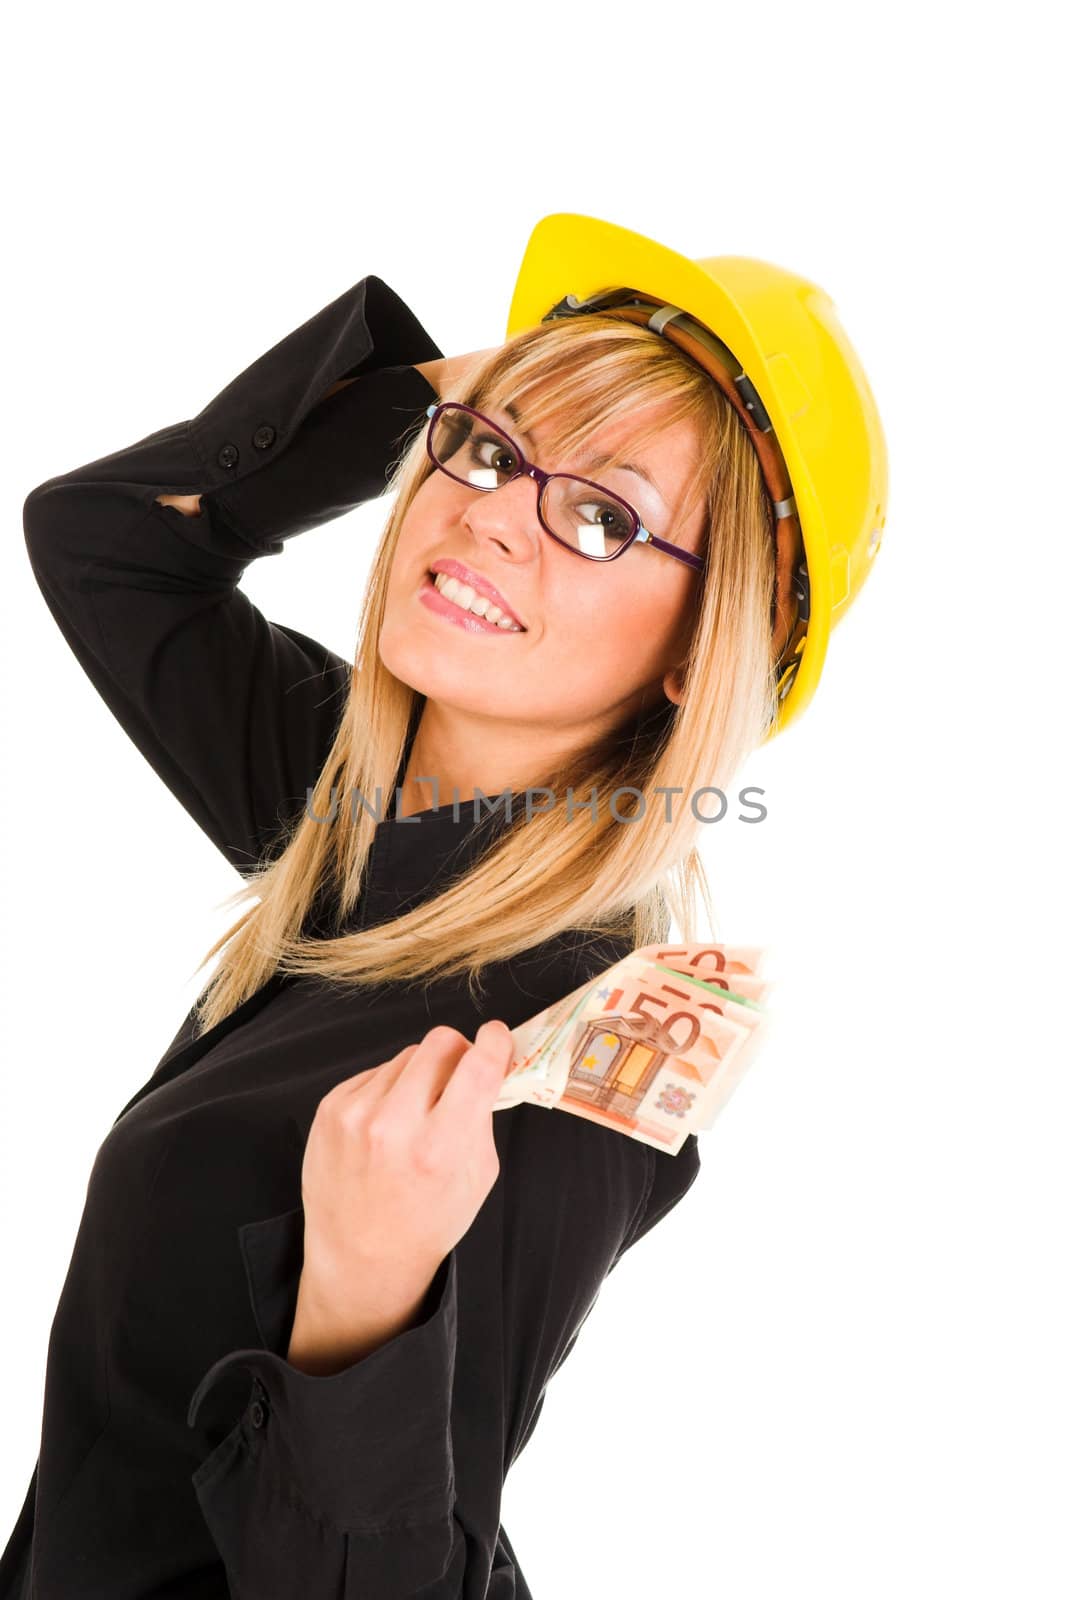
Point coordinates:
[(598, 638)]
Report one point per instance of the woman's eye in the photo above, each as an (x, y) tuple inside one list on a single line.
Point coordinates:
[(613, 515), (488, 451)]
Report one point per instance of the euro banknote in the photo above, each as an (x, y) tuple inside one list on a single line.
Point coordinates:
[(652, 1047)]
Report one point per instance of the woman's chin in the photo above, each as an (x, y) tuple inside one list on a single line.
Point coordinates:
[(418, 664)]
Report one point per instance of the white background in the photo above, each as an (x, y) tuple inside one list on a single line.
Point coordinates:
[(848, 1339)]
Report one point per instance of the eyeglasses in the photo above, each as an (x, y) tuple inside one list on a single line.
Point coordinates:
[(582, 515)]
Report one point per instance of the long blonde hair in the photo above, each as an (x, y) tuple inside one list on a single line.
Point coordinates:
[(548, 872)]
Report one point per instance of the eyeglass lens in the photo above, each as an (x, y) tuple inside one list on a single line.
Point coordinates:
[(585, 517)]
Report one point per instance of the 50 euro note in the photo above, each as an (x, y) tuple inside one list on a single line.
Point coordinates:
[(653, 1046)]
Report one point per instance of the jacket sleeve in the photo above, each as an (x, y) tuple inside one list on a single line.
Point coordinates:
[(357, 1485), (234, 712), (283, 1495)]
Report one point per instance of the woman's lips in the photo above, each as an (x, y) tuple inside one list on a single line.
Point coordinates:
[(449, 567), (433, 600)]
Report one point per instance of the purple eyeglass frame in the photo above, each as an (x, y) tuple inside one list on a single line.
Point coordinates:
[(641, 534)]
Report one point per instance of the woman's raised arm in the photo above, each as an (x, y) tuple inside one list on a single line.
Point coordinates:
[(234, 712)]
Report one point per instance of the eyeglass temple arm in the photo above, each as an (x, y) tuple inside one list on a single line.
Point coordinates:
[(644, 537)]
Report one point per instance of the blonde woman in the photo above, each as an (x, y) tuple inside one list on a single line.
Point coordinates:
[(319, 1287)]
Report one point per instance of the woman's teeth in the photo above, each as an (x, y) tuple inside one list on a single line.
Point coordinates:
[(461, 594)]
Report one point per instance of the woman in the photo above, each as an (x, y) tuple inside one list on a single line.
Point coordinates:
[(319, 1288)]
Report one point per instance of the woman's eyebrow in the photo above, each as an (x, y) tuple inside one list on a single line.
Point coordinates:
[(599, 460)]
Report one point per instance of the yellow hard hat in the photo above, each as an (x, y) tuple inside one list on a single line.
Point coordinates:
[(773, 343)]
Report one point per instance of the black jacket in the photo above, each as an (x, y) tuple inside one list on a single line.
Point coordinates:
[(181, 1455)]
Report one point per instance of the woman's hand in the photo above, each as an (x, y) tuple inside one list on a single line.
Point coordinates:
[(398, 1162), (445, 371), (187, 504)]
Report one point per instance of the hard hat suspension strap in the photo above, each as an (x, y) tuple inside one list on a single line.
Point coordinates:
[(791, 597)]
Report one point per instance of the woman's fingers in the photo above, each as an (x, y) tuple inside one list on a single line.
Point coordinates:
[(416, 1088), (443, 1072), (472, 1088), (374, 1082), (187, 504)]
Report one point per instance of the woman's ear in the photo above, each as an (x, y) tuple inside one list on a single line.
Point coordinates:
[(673, 685)]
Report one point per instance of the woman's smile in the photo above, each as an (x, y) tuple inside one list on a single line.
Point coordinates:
[(456, 612)]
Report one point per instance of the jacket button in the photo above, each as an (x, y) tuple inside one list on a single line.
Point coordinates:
[(264, 437), (228, 456), (257, 1413)]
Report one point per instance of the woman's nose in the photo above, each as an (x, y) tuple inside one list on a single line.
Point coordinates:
[(509, 515)]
